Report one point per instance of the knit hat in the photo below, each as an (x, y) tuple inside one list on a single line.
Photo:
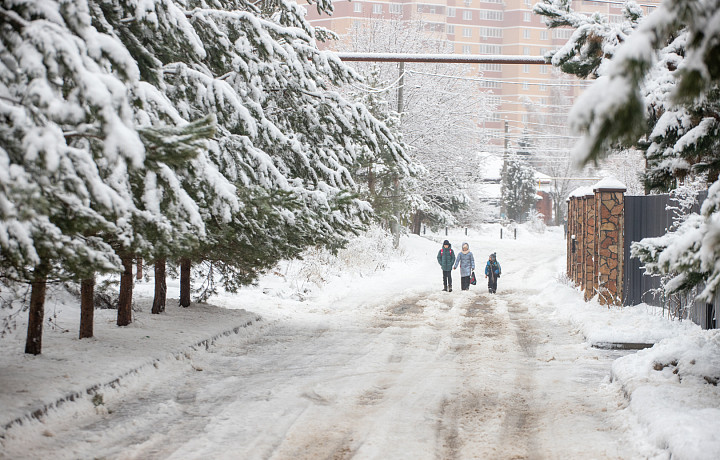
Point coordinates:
[(446, 242)]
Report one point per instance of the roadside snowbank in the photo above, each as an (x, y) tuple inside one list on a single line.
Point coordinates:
[(70, 369), (600, 324), (673, 390), (672, 387)]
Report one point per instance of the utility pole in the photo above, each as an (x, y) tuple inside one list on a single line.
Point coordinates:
[(503, 211), (396, 180)]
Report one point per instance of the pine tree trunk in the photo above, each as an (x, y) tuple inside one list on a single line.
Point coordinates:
[(139, 274), (33, 344), (87, 307), (417, 222), (184, 282), (160, 287), (371, 180), (126, 287)]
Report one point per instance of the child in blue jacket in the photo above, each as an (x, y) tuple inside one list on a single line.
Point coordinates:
[(492, 272)]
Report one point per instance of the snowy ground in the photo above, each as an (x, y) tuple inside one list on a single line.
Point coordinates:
[(374, 364)]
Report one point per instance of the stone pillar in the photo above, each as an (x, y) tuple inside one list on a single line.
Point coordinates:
[(572, 237), (576, 231), (610, 229), (589, 239), (568, 237), (580, 249)]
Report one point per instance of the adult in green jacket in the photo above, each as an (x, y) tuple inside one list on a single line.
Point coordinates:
[(446, 259)]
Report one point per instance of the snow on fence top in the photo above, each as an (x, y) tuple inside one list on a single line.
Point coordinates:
[(581, 192), (610, 183), (443, 58)]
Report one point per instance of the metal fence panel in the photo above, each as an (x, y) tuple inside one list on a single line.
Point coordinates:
[(647, 217)]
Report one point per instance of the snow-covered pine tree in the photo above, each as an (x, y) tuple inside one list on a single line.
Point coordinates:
[(63, 85), (658, 88), (376, 171), (284, 139), (517, 187)]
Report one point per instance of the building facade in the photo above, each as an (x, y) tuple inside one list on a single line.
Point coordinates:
[(531, 99)]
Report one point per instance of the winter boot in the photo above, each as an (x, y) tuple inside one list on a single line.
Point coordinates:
[(449, 288), (445, 289)]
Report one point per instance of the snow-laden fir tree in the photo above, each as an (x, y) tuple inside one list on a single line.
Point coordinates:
[(376, 172), (657, 88), (518, 187), (170, 129), (284, 138), (63, 92)]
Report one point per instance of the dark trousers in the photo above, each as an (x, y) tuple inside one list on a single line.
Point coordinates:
[(465, 283), (492, 283), (447, 278)]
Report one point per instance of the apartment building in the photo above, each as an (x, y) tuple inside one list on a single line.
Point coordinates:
[(531, 99)]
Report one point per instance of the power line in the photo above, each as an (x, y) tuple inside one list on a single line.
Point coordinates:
[(370, 89), (493, 80)]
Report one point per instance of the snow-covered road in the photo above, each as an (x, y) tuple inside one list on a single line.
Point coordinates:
[(431, 375)]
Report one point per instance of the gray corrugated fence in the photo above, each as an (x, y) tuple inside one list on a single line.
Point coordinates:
[(647, 217)]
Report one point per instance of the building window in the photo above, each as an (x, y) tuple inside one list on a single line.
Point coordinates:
[(528, 2), (395, 8), (490, 49), (467, 3), (526, 85), (526, 50), (490, 84), (493, 32), (525, 118), (526, 68), (466, 49), (467, 32), (543, 87), (543, 35), (490, 67), (467, 15), (450, 29), (491, 15), (526, 34), (451, 12), (543, 69), (357, 7), (377, 8), (526, 16)]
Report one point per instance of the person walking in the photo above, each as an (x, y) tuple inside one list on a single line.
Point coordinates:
[(446, 258), (492, 273), (467, 265)]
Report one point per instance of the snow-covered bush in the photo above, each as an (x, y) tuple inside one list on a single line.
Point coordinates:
[(536, 222), (362, 256)]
